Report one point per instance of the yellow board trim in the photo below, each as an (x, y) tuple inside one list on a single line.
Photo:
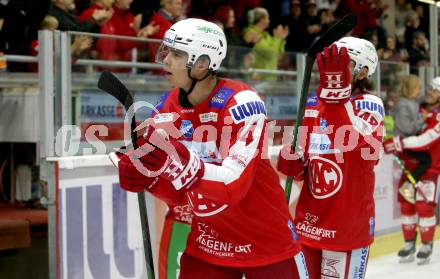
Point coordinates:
[(391, 243)]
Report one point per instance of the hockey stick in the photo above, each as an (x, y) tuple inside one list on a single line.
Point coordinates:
[(408, 194), (113, 86), (334, 33)]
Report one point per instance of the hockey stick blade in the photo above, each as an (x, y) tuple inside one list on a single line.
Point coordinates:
[(334, 33), (110, 84)]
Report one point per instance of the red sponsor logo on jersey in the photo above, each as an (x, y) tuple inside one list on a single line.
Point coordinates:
[(325, 177)]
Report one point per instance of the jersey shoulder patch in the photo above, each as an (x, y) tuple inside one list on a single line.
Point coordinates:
[(221, 97), (370, 103), (246, 104), (312, 101)]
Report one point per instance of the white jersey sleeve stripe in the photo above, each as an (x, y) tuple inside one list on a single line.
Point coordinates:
[(424, 140), (240, 154)]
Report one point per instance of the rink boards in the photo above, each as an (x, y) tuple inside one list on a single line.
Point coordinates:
[(98, 228)]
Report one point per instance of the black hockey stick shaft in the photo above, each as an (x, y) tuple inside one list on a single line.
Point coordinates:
[(113, 86), (334, 33)]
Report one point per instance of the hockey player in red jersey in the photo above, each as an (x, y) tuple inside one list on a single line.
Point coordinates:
[(339, 144), (205, 142), (427, 188)]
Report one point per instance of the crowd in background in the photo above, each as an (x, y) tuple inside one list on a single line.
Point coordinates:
[(269, 28)]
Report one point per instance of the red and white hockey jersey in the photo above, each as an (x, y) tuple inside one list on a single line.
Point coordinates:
[(335, 210), (428, 140), (240, 215)]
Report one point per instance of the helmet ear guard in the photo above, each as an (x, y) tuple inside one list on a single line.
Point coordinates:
[(361, 51)]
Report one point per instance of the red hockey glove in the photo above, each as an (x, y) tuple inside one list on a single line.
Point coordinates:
[(334, 75), (393, 145), (130, 179), (159, 156), (291, 164)]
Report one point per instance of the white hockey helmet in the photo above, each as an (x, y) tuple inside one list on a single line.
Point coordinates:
[(196, 37), (361, 51), (435, 84)]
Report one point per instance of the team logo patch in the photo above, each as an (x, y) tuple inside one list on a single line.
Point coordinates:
[(241, 111), (325, 177), (187, 129), (220, 98), (208, 117), (371, 106)]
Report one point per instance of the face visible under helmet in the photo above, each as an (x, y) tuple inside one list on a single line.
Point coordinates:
[(362, 52), (198, 38)]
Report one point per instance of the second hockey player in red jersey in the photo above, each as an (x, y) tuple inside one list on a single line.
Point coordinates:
[(205, 142), (341, 141), (427, 188)]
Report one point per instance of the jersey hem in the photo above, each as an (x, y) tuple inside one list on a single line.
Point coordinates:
[(334, 247), (245, 263)]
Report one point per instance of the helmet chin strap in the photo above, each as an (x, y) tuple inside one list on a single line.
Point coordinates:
[(183, 98), (195, 80)]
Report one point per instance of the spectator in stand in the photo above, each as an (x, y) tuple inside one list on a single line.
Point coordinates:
[(20, 24), (225, 17), (326, 19), (122, 23), (106, 5), (402, 10), (313, 24), (366, 11), (62, 11), (423, 18), (82, 5), (267, 48), (412, 26), (419, 52), (390, 53), (170, 13), (297, 28), (77, 48)]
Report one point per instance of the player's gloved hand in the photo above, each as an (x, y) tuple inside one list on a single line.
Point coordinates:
[(157, 155), (393, 145), (175, 161), (291, 164), (130, 179), (334, 75)]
